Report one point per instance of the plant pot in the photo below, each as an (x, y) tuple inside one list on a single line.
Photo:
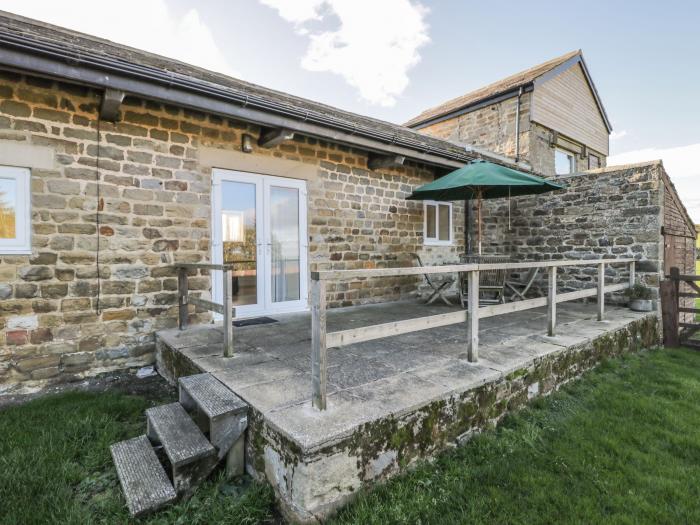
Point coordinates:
[(641, 305)]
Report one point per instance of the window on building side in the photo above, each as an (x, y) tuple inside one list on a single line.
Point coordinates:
[(564, 162), (593, 161), (15, 212), (437, 227)]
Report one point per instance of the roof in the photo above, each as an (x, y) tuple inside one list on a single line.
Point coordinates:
[(40, 48), (507, 88)]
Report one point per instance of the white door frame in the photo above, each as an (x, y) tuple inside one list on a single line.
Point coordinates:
[(262, 183)]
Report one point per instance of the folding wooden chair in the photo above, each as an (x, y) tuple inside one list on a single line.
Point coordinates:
[(439, 289), (520, 288)]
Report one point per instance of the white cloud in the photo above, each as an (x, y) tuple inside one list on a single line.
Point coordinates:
[(681, 163), (144, 24), (616, 135), (373, 48)]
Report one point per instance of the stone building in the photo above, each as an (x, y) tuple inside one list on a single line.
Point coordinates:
[(116, 163), (550, 116)]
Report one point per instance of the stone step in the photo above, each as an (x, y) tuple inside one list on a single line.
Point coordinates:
[(218, 412), (145, 484), (189, 453), (206, 393)]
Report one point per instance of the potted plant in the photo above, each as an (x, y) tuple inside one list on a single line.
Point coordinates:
[(640, 298)]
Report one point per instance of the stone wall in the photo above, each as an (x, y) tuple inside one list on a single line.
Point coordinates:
[(491, 127), (312, 484), (614, 212), (99, 281)]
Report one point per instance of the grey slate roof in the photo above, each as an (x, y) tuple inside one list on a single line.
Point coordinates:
[(505, 86), (40, 39)]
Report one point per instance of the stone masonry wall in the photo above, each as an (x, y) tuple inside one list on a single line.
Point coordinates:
[(491, 127), (59, 321), (614, 212), (312, 485)]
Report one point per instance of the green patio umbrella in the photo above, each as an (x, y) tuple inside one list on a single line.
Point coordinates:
[(482, 180)]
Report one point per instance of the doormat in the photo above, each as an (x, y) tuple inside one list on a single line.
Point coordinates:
[(254, 321)]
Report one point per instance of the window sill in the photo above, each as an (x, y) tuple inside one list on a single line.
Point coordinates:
[(7, 251), (438, 243)]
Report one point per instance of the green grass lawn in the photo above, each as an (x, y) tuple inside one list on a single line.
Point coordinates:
[(620, 446), (55, 467)]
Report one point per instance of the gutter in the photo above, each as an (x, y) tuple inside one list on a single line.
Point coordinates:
[(493, 99), (27, 55)]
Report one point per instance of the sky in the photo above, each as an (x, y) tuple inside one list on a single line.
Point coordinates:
[(391, 59)]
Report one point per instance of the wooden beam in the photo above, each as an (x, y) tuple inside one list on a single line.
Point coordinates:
[(111, 102), (332, 275), (507, 308), (274, 137), (601, 291), (319, 359), (669, 312), (473, 316), (182, 297), (379, 331), (552, 301), (375, 162), (633, 277), (228, 313), (207, 305)]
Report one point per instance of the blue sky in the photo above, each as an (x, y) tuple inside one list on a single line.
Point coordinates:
[(393, 58)]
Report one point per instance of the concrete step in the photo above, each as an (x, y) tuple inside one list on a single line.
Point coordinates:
[(218, 412), (211, 396), (190, 455), (145, 484)]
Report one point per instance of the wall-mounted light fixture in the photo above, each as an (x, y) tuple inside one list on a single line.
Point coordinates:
[(247, 143)]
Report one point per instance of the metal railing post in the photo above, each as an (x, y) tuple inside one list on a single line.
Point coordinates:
[(182, 298), (473, 316), (601, 291), (228, 312), (319, 362), (552, 301)]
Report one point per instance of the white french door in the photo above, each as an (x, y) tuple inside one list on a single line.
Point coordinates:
[(259, 225)]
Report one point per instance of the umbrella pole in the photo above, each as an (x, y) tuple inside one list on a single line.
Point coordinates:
[(467, 237), (478, 217)]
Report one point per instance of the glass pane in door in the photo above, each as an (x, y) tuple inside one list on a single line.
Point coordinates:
[(239, 236), (8, 203), (284, 237)]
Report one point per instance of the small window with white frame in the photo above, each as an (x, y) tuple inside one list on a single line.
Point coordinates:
[(564, 162), (437, 223), (15, 211)]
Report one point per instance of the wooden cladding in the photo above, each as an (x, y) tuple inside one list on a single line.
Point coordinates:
[(566, 104)]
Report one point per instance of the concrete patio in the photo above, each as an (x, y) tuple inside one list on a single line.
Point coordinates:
[(383, 380)]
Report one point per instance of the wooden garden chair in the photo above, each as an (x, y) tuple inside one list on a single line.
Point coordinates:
[(520, 288), (438, 289), (492, 283)]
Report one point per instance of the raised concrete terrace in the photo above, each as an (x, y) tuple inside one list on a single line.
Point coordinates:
[(387, 377)]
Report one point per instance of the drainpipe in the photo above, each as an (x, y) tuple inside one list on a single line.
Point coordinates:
[(517, 125)]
